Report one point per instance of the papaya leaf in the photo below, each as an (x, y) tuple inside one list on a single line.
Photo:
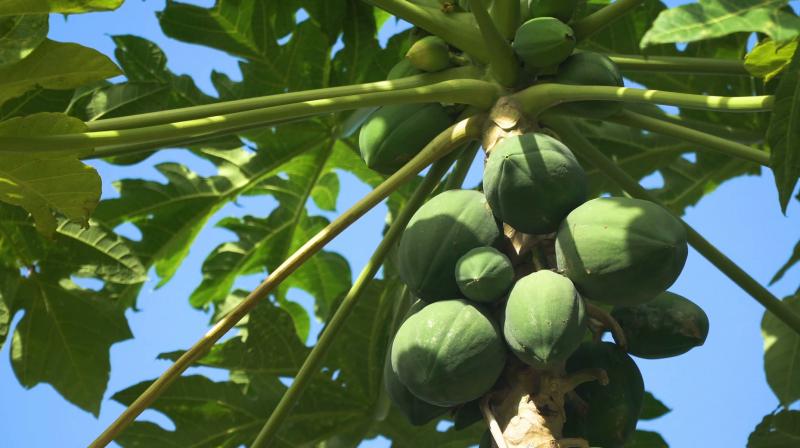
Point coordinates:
[(64, 339), (781, 430), (20, 244), (714, 18), (402, 434), (652, 407), (768, 59), (19, 7), (783, 134), (646, 439), (20, 35), (793, 260), (55, 65), (9, 283), (36, 101), (782, 355)]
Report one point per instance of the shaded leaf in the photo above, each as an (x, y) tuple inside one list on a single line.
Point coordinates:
[(652, 407), (780, 430), (768, 59), (20, 35), (15, 7), (646, 439), (783, 134), (9, 283), (55, 65), (64, 339), (793, 260), (782, 355), (714, 18)]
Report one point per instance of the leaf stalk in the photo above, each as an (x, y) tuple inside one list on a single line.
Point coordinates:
[(503, 62), (604, 17)]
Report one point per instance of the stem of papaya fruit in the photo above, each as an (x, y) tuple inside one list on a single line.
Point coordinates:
[(229, 107), (463, 164), (506, 16), (503, 62), (458, 134), (479, 93), (595, 22), (727, 147), (580, 145)]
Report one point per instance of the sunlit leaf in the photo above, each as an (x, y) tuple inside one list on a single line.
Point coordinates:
[(20, 35), (783, 134), (768, 59), (14, 7), (782, 355)]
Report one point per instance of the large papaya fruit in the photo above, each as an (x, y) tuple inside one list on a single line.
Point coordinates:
[(544, 319), (532, 181), (543, 42), (560, 9), (439, 233), (621, 251), (484, 274), (429, 54), (613, 409), (590, 69), (669, 325), (448, 353), (393, 135), (418, 412)]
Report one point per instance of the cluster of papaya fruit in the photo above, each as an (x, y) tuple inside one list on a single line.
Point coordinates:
[(485, 306)]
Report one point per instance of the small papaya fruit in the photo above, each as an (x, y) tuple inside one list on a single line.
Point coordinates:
[(484, 274), (532, 181), (393, 135), (544, 319), (621, 251), (590, 69), (417, 411), (448, 353), (669, 325), (560, 9), (543, 42), (403, 69), (440, 232), (613, 410), (429, 54)]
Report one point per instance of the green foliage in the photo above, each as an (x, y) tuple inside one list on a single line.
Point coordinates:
[(532, 181), (666, 326), (394, 134), (20, 35), (15, 7), (784, 133), (782, 356), (768, 58), (560, 9), (776, 431), (543, 42), (545, 319), (449, 353), (442, 231), (484, 274), (621, 251), (612, 410)]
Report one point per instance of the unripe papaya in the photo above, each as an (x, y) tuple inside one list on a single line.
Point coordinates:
[(590, 69), (449, 353), (544, 319), (560, 9), (440, 232), (403, 69), (669, 325), (621, 251), (393, 135), (429, 54), (417, 411), (543, 42), (484, 274), (613, 409), (532, 181), (467, 415)]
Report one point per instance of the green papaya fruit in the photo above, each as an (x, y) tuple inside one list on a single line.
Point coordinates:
[(544, 319), (429, 54), (543, 42), (403, 69), (393, 135), (532, 181), (417, 411), (467, 415), (610, 418), (440, 232), (621, 251), (449, 353), (590, 69), (560, 9), (669, 325), (484, 274)]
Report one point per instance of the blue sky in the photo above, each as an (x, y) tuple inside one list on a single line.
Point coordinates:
[(718, 392)]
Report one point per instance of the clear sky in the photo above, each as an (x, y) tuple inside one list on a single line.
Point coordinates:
[(718, 392)]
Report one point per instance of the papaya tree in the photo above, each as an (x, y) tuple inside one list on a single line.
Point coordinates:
[(513, 312)]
